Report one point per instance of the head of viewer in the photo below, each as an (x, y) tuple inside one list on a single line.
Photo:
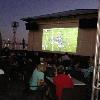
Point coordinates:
[(41, 67), (60, 69)]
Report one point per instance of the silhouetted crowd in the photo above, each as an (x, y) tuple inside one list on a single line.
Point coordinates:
[(26, 66)]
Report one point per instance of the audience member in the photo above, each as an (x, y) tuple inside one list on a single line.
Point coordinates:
[(37, 83), (66, 60), (37, 78), (61, 81), (88, 71), (36, 58), (76, 71), (1, 72)]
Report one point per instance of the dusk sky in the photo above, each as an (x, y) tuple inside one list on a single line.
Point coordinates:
[(14, 10)]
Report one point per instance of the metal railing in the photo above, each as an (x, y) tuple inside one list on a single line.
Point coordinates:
[(96, 74)]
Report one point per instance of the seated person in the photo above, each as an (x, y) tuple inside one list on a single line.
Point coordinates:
[(36, 83), (37, 78), (66, 60), (61, 81), (1, 72), (89, 70), (50, 70), (76, 71)]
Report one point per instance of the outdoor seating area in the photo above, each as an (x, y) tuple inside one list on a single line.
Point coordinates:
[(18, 67)]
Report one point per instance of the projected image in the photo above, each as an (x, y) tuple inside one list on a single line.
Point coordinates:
[(60, 39)]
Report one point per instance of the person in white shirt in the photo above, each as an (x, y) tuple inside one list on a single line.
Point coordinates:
[(1, 72)]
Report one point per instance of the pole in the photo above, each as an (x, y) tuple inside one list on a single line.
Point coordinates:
[(96, 73)]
